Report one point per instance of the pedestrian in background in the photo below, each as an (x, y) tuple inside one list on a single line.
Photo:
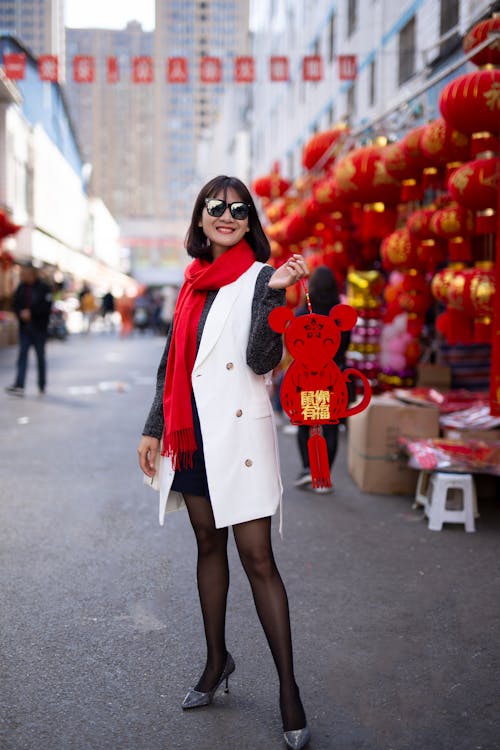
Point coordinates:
[(88, 307), (31, 303), (107, 310), (125, 306), (323, 295), (213, 413)]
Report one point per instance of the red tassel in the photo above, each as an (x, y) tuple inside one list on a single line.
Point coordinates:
[(318, 459)]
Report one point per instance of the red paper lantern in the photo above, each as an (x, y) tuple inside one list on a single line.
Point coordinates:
[(479, 299), (402, 165), (489, 55), (452, 221), (475, 184), (479, 291), (414, 294), (471, 102), (377, 221), (441, 282), (312, 210), (316, 148), (295, 227), (397, 251), (362, 177), (327, 194), (272, 185), (418, 223), (279, 208), (411, 145), (442, 145)]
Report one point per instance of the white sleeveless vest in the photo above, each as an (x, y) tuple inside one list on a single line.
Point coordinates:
[(236, 417)]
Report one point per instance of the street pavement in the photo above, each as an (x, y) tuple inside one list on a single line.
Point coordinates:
[(396, 628)]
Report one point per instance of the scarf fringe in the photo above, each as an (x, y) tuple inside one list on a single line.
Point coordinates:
[(180, 447)]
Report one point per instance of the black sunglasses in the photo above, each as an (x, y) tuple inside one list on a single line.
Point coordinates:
[(216, 207)]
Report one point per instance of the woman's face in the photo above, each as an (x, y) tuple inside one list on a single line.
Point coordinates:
[(223, 231)]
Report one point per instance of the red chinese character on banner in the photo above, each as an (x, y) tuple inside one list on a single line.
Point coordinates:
[(112, 70), (142, 69), (48, 68), (83, 69), (279, 68), (211, 69), (348, 67), (244, 69), (14, 64), (177, 70), (312, 68)]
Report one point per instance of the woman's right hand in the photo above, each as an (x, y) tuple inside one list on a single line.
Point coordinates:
[(147, 452)]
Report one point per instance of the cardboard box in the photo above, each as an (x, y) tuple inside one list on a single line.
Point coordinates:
[(373, 452), (434, 376)]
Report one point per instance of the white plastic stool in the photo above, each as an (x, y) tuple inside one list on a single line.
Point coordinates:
[(422, 489), (437, 495)]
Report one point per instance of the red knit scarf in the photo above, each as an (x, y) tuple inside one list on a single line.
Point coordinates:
[(179, 440)]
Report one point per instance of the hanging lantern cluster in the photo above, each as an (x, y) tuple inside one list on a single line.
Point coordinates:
[(420, 214)]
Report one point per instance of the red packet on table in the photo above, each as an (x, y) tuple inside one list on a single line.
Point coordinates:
[(314, 389)]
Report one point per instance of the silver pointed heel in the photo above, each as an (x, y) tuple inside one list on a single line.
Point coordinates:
[(196, 699), (297, 738)]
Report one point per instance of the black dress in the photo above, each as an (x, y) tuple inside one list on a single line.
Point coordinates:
[(193, 480)]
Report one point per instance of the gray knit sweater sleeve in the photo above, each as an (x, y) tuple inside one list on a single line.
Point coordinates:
[(264, 350), (265, 347), (154, 421)]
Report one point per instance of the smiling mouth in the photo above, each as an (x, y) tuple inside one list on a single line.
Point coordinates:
[(225, 230)]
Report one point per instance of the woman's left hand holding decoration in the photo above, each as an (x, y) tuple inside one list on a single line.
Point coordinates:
[(289, 273)]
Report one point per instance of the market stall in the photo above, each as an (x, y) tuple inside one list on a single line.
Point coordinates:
[(410, 229)]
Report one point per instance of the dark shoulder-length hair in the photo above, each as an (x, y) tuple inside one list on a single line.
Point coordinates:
[(197, 244), (323, 290)]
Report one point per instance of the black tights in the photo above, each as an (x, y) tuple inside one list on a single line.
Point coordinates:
[(253, 541)]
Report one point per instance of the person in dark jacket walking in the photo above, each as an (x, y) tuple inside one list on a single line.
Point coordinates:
[(32, 303)]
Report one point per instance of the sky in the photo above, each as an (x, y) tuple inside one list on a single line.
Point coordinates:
[(109, 14)]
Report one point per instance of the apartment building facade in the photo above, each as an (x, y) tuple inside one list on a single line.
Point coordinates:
[(400, 50), (38, 24)]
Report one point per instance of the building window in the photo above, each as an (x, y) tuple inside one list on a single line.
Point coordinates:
[(352, 16), (331, 38), (407, 51), (449, 20), (372, 89)]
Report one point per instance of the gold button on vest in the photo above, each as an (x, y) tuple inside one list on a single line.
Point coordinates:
[(239, 413), (229, 366), (248, 462)]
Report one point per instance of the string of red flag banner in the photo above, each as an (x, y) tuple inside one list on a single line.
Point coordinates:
[(177, 69)]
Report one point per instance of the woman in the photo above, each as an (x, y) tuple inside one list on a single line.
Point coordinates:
[(323, 295), (213, 414)]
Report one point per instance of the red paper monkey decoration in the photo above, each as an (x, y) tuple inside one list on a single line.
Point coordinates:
[(314, 389)]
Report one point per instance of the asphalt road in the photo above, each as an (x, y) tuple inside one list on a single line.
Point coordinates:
[(396, 628)]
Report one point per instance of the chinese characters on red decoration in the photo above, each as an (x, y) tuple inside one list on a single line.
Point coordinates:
[(211, 69)]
